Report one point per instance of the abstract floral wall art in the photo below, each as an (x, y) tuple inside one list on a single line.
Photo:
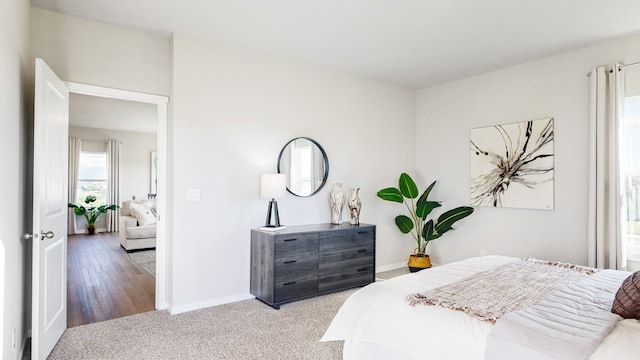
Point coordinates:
[(512, 165)]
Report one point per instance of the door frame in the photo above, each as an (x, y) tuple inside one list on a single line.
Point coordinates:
[(162, 104)]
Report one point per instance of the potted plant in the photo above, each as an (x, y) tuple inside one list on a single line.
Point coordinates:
[(422, 230), (90, 212)]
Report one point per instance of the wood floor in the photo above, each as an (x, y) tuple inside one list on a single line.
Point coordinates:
[(103, 281)]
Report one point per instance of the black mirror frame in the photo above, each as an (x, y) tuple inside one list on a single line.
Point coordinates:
[(324, 157)]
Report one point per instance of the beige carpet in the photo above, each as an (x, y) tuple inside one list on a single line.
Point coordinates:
[(242, 330), (392, 273)]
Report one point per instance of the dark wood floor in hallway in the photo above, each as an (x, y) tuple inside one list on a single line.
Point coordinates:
[(103, 281)]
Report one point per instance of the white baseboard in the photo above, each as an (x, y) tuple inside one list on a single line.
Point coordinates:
[(391, 267), (173, 310)]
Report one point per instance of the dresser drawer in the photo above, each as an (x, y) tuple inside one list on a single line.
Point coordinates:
[(353, 239), (343, 257), (296, 247), (333, 266), (290, 268), (289, 290), (346, 278)]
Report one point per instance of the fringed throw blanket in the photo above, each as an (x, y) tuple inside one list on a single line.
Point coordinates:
[(490, 294)]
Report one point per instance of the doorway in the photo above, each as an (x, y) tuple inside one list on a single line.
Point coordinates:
[(160, 104)]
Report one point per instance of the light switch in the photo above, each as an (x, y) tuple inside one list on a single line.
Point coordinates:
[(193, 195)]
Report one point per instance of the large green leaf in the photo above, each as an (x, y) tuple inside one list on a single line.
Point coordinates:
[(404, 223), (79, 210), (390, 194), (427, 229), (424, 208), (408, 187), (447, 219), (425, 194), (103, 208)]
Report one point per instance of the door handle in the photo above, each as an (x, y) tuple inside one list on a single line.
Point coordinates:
[(30, 236), (43, 235)]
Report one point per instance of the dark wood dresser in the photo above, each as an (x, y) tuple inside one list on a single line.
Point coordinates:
[(309, 260)]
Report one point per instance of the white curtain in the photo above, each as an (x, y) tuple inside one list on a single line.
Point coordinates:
[(75, 145), (113, 183), (606, 250)]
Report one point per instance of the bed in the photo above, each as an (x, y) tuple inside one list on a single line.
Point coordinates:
[(378, 322)]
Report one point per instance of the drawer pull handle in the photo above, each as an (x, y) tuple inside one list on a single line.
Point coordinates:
[(363, 269), (290, 261), (363, 232), (290, 239), (290, 283), (362, 251)]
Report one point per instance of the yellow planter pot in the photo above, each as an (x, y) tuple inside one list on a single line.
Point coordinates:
[(418, 262)]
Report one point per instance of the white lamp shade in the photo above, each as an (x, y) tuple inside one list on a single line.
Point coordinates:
[(273, 186)]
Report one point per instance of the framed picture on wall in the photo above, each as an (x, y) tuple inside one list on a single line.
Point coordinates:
[(512, 165), (154, 172)]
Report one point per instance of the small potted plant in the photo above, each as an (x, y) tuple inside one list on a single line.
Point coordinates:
[(422, 230), (90, 212)]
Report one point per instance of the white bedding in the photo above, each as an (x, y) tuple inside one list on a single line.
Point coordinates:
[(379, 313), (377, 322), (568, 324)]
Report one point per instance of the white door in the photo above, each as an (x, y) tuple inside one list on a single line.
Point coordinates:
[(50, 142)]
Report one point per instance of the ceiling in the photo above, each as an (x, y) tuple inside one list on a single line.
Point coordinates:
[(105, 113), (415, 43)]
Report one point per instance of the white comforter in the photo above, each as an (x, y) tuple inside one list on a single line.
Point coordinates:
[(379, 315), (568, 324)]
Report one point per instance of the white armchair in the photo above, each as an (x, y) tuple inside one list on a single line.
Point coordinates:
[(137, 224)]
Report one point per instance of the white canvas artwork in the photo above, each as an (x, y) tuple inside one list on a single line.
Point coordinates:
[(512, 165)]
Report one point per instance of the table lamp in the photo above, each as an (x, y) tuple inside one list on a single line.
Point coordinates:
[(273, 186)]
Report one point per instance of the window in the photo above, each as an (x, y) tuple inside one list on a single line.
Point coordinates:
[(92, 177), (301, 168), (630, 173)]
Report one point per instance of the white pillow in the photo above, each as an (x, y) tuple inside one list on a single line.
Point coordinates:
[(143, 214), (146, 203)]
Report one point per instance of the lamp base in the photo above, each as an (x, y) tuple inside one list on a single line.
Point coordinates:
[(273, 208), (273, 228)]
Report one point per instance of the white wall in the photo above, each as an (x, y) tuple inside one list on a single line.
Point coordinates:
[(135, 157), (552, 87), (94, 53), (233, 112), (15, 91)]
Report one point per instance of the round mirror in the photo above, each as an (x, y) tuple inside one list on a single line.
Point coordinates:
[(305, 163)]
